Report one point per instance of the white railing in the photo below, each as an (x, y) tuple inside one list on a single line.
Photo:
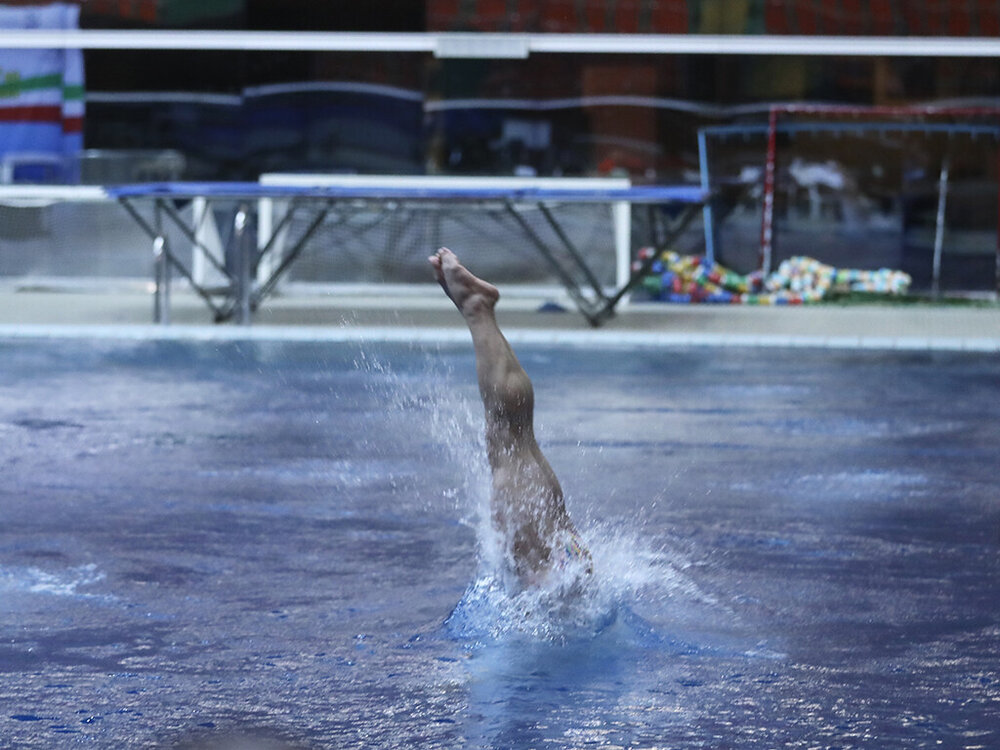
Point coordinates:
[(505, 45)]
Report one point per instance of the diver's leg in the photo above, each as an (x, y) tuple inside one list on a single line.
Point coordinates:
[(503, 384), (527, 504)]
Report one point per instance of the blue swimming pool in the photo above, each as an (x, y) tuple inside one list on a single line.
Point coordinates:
[(204, 540)]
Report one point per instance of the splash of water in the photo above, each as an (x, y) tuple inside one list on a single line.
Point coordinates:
[(571, 603), (60, 583), (450, 421), (627, 575)]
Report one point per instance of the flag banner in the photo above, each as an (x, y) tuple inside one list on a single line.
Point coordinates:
[(41, 91)]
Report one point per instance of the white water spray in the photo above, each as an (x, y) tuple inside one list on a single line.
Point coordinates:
[(571, 603)]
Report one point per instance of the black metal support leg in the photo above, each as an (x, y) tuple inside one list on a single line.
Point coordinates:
[(659, 245), (292, 254), (573, 289), (573, 252), (164, 260)]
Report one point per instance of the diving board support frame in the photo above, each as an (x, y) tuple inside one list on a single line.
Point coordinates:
[(161, 295), (571, 249), (252, 269), (620, 217), (660, 244), (161, 263), (241, 294), (268, 275), (164, 259), (620, 210), (244, 262), (572, 288)]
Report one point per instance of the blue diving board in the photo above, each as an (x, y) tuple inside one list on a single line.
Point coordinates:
[(645, 194)]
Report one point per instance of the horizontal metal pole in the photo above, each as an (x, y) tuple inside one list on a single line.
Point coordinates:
[(763, 44), (504, 45), (43, 195), (215, 40), (855, 126)]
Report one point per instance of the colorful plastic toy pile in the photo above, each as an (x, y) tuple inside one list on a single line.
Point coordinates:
[(798, 280)]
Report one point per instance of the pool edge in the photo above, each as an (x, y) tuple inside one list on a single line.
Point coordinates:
[(611, 339)]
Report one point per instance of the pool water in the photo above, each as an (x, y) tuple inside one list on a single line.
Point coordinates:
[(204, 541)]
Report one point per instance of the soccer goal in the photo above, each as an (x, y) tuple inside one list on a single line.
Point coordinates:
[(898, 186)]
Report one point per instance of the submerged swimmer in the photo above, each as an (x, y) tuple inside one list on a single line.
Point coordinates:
[(527, 506)]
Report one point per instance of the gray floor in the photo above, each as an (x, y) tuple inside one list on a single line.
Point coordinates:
[(36, 308)]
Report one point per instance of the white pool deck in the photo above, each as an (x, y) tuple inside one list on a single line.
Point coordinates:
[(125, 310)]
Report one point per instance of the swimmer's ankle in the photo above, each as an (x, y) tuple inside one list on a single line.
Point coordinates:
[(479, 302)]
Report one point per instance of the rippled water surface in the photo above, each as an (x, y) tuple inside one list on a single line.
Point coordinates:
[(203, 541)]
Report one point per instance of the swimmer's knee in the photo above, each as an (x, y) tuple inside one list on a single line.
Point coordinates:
[(517, 393)]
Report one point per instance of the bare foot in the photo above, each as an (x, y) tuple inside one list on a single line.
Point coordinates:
[(469, 293)]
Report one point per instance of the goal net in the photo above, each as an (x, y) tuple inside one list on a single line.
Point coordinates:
[(909, 188)]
